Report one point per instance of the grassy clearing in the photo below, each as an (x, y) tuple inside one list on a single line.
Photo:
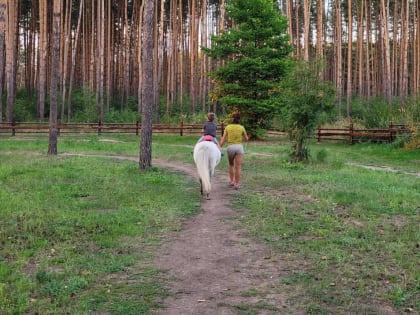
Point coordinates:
[(351, 234), (77, 233)]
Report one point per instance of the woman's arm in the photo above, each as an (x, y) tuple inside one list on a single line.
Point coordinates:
[(223, 139), (245, 136)]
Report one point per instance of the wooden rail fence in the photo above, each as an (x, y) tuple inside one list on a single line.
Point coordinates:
[(353, 135), (349, 134), (127, 128)]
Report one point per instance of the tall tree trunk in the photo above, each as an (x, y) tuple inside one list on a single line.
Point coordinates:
[(34, 52), (416, 50), (66, 44), (179, 50), (222, 26), (127, 56), (359, 48), (11, 55), (405, 12), (320, 30), (55, 78), (368, 66), (173, 54), (3, 12), (140, 61), (338, 67), (29, 48), (289, 15), (109, 55), (222, 20), (145, 160), (43, 52), (100, 59), (159, 61), (193, 52), (298, 32), (349, 57), (97, 56), (84, 48), (156, 68), (395, 46), (307, 28), (92, 49), (204, 57), (73, 61), (386, 74), (377, 56)]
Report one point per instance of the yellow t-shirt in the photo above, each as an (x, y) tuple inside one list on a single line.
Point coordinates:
[(234, 133)]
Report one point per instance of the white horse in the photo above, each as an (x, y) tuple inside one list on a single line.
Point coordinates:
[(206, 157)]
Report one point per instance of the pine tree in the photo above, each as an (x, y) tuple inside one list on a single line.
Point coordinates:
[(145, 159), (256, 50)]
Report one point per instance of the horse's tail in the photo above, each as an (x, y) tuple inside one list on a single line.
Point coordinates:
[(202, 162)]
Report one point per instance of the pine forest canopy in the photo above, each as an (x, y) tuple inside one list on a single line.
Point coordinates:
[(100, 51)]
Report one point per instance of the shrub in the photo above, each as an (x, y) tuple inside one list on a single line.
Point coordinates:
[(304, 99), (25, 107), (413, 143), (125, 116)]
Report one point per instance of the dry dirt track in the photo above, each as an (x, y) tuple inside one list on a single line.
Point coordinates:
[(210, 265)]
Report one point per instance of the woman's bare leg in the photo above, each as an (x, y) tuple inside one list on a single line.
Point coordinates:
[(232, 170), (238, 169)]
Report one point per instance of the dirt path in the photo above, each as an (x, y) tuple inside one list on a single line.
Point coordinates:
[(210, 265)]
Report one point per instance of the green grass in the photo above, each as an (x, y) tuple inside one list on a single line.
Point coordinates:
[(353, 233), (77, 233)]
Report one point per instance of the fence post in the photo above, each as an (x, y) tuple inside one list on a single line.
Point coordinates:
[(351, 132), (181, 130), (99, 128), (13, 129), (391, 132), (58, 127), (319, 133), (137, 128), (222, 127)]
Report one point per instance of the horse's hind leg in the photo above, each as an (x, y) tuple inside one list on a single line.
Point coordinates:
[(202, 191), (201, 187)]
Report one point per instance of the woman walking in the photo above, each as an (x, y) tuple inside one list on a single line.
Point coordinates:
[(234, 134)]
